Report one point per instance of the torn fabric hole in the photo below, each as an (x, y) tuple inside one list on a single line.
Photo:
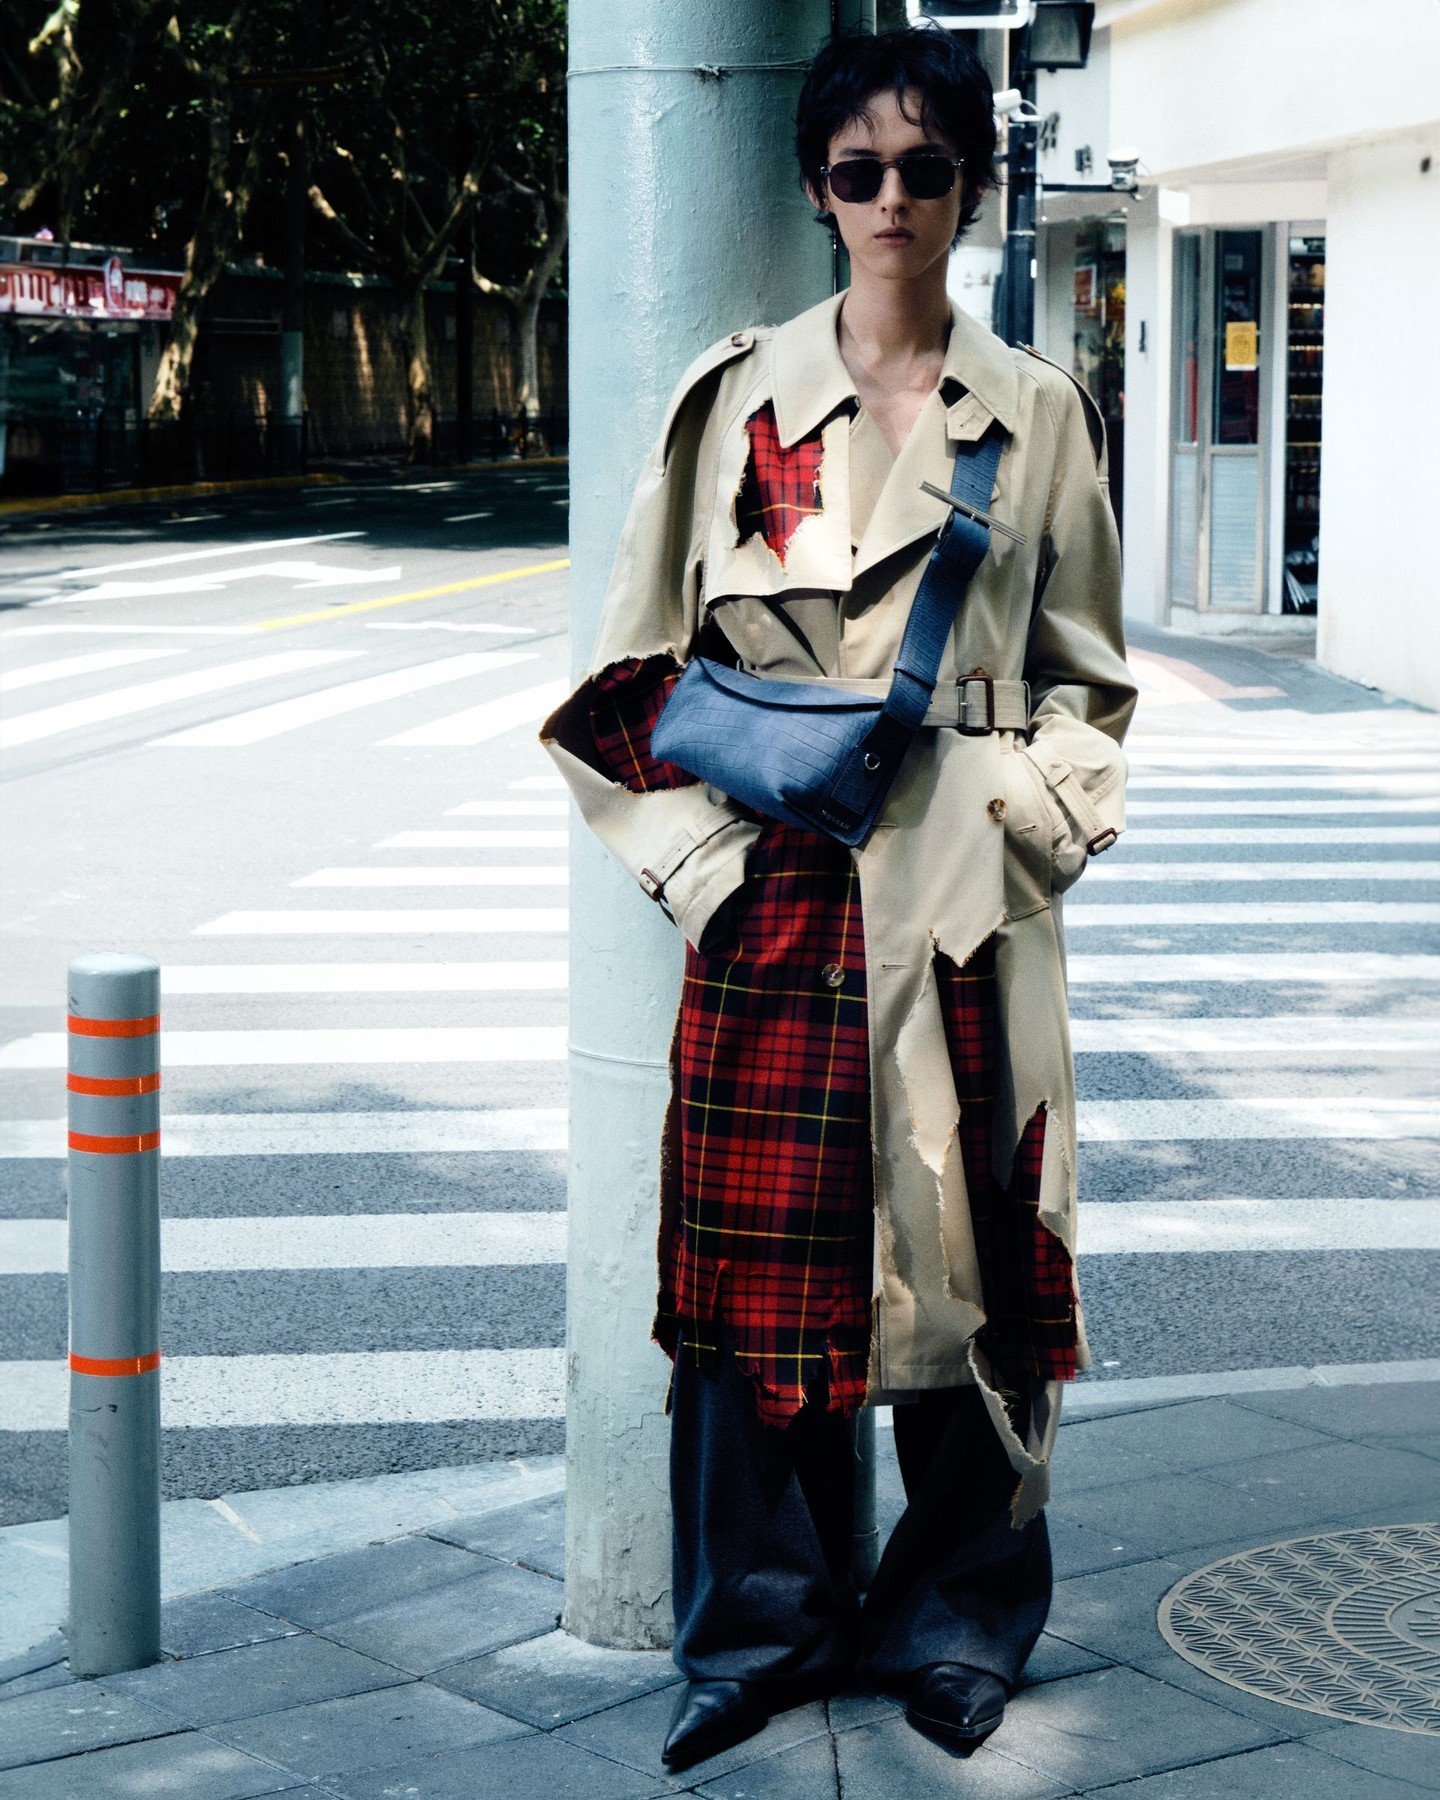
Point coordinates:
[(780, 488)]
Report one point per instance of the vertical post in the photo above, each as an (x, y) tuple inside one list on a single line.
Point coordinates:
[(688, 222), (865, 1555), (465, 302), (114, 1171), (1018, 324), (292, 306)]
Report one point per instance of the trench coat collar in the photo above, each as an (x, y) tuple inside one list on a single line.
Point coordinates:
[(810, 379)]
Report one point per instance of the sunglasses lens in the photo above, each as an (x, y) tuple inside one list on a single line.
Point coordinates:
[(927, 177), (856, 180)]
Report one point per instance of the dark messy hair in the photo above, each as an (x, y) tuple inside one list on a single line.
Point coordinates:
[(956, 95)]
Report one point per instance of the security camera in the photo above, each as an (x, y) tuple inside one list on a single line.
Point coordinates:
[(1123, 164)]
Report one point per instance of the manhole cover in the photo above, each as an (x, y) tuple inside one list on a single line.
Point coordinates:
[(1347, 1624)]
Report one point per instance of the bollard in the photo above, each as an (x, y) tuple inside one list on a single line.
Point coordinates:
[(114, 1168), (865, 1551)]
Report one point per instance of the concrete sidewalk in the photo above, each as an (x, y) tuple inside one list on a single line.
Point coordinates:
[(429, 1664)]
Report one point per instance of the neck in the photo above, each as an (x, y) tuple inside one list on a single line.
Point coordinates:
[(896, 321)]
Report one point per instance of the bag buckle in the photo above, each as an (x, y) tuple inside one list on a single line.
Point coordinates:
[(988, 683)]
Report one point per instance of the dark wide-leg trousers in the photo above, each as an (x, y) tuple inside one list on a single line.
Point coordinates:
[(763, 1522)]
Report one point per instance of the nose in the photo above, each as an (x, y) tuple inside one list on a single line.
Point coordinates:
[(892, 189)]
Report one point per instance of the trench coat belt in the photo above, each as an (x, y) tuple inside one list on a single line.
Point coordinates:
[(975, 703)]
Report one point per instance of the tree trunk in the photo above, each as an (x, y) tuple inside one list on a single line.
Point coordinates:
[(419, 392)]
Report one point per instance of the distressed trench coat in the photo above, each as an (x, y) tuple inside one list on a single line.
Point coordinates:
[(980, 834)]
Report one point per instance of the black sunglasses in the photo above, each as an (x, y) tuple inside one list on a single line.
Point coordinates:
[(926, 174)]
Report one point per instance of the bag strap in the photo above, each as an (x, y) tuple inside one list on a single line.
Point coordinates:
[(957, 554)]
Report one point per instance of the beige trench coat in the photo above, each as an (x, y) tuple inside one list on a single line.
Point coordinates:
[(980, 834)]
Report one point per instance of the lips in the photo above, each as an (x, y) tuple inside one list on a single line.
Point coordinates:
[(894, 237)]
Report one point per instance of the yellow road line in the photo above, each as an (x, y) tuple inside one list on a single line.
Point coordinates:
[(435, 593), (190, 490)]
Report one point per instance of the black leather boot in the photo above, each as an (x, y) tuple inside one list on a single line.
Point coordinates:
[(710, 1716), (955, 1703)]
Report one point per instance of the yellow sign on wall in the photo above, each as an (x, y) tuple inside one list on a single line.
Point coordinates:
[(1242, 344)]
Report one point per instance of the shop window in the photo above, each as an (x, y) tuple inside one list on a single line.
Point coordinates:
[(1237, 337), (1305, 315)]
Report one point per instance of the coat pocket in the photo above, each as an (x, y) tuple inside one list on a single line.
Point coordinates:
[(1030, 829)]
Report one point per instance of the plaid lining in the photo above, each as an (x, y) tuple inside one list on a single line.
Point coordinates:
[(772, 1234), (781, 488)]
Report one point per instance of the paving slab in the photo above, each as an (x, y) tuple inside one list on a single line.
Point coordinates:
[(66, 1720), (1192, 1434), (1332, 1482), (1284, 1721), (337, 1587), (362, 1731), (1112, 1613), (257, 1678), (1278, 1772), (1116, 1724), (535, 1767), (1052, 1659), (56, 1675), (1104, 1540), (1401, 1755), (884, 1761), (531, 1535), (1369, 1410), (190, 1765), (548, 1681), (499, 1605), (205, 1622), (633, 1733)]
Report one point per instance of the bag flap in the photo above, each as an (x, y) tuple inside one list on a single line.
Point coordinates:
[(804, 696)]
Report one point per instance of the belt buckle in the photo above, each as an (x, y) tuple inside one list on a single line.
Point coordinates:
[(651, 885), (966, 730), (1102, 840)]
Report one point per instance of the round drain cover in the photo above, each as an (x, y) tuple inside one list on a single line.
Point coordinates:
[(1347, 1624)]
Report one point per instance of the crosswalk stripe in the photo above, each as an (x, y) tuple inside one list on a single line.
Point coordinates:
[(1241, 1118), (327, 703), (374, 1387), (435, 1240), (1291, 1037), (388, 921), (538, 781), (1256, 912), (508, 809), (1240, 837), (318, 1045), (449, 1240), (476, 840), (539, 875), (1423, 782), (1352, 760), (1284, 807), (1290, 967), (71, 715), (369, 978), (240, 547), (537, 1128), (66, 668), (1122, 869), (478, 724)]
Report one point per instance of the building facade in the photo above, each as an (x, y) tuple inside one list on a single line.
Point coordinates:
[(1256, 319)]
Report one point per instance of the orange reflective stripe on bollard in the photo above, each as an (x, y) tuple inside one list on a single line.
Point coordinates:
[(114, 1365), (146, 1027), (116, 1086), (114, 1146)]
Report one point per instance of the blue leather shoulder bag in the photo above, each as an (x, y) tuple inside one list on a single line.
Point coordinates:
[(826, 760)]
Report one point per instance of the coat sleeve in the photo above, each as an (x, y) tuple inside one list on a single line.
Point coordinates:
[(683, 841), (1082, 694)]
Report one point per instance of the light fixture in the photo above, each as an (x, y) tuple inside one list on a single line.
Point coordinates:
[(1058, 36)]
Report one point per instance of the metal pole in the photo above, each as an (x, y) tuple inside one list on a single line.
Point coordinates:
[(865, 1555), (114, 1170), (292, 315), (673, 168), (1018, 326), (465, 304)]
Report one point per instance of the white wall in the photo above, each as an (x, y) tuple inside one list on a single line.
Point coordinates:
[(1149, 260), (1380, 472)]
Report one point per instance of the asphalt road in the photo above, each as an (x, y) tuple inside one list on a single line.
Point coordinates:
[(285, 744)]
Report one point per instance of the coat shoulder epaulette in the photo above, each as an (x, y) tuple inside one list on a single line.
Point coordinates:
[(710, 361), (1094, 421)]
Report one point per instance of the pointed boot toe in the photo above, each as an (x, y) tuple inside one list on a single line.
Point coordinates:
[(709, 1717), (955, 1703)]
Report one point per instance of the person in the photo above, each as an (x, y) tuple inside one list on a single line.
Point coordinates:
[(868, 1168)]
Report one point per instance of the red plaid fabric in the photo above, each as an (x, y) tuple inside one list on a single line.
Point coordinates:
[(781, 487), (772, 1234)]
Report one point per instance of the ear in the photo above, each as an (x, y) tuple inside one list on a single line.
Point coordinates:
[(816, 200)]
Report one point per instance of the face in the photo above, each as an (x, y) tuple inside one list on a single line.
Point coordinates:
[(893, 236)]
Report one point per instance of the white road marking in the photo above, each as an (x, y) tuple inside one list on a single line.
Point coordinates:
[(389, 921), (448, 625), (509, 809), (476, 840), (1258, 912), (369, 978), (1108, 1228), (67, 667), (302, 575), (348, 696), (1298, 809), (374, 1387), (456, 876), (69, 629), (235, 549), (1295, 966), (322, 1134), (465, 518), (1238, 837), (1398, 783), (73, 715), (1240, 1118), (538, 781), (478, 724), (1288, 1037), (432, 1240), (1281, 759), (378, 1044), (1122, 870), (1100, 1393)]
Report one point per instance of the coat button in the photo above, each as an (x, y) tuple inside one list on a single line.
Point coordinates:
[(833, 975), (996, 809)]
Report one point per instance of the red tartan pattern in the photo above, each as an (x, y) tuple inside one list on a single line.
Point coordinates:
[(781, 487), (772, 1236)]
